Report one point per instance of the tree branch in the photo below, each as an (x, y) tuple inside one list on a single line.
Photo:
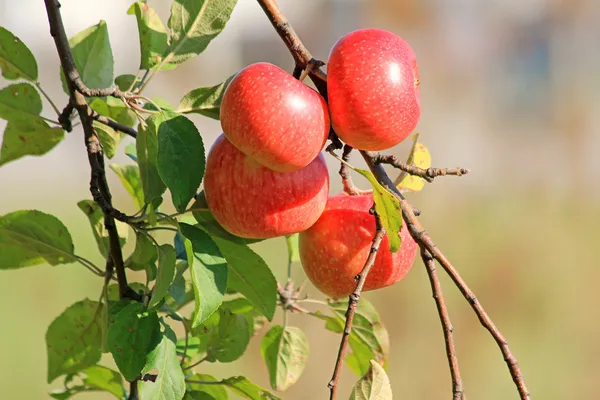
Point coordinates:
[(98, 184), (303, 57), (64, 118), (353, 303), (438, 296), (114, 124), (427, 174), (424, 240)]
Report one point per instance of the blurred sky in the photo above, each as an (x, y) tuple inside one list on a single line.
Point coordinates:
[(509, 89)]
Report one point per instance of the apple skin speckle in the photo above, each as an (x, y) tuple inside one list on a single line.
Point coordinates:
[(274, 118), (373, 89), (334, 250), (253, 201)]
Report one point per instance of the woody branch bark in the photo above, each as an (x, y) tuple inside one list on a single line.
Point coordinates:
[(98, 184)]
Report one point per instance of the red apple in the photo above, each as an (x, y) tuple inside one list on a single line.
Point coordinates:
[(373, 89), (334, 250), (253, 201), (274, 118)]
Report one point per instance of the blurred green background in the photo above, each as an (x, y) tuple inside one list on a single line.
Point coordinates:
[(510, 90)]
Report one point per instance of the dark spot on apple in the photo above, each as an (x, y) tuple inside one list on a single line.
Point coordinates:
[(119, 350), (22, 139)]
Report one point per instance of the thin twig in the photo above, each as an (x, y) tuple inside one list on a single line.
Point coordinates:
[(352, 303), (345, 174), (438, 296), (427, 174), (302, 58), (43, 92), (196, 363), (114, 124)]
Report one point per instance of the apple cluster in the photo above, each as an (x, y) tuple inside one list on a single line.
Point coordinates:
[(266, 177)]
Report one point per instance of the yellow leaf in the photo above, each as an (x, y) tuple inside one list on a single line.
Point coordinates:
[(419, 157)]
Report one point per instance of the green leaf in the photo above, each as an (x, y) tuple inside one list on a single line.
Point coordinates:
[(250, 276), (170, 380), (116, 110), (180, 159), (93, 57), (166, 272), (177, 288), (285, 351), (31, 136), (229, 339), (100, 377), (74, 339), (242, 386), (126, 82), (359, 360), (16, 60), (193, 347), (242, 306), (145, 253), (96, 218), (368, 339), (375, 385), (20, 101), (205, 100), (209, 272), (388, 208), (129, 175), (213, 390), (153, 35), (163, 105), (109, 137), (195, 395), (132, 335), (119, 112), (194, 23), (366, 326), (239, 305), (147, 151), (64, 394), (207, 221), (29, 236), (131, 152)]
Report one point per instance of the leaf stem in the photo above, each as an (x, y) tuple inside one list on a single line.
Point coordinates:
[(89, 265), (43, 92), (206, 382), (196, 363)]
